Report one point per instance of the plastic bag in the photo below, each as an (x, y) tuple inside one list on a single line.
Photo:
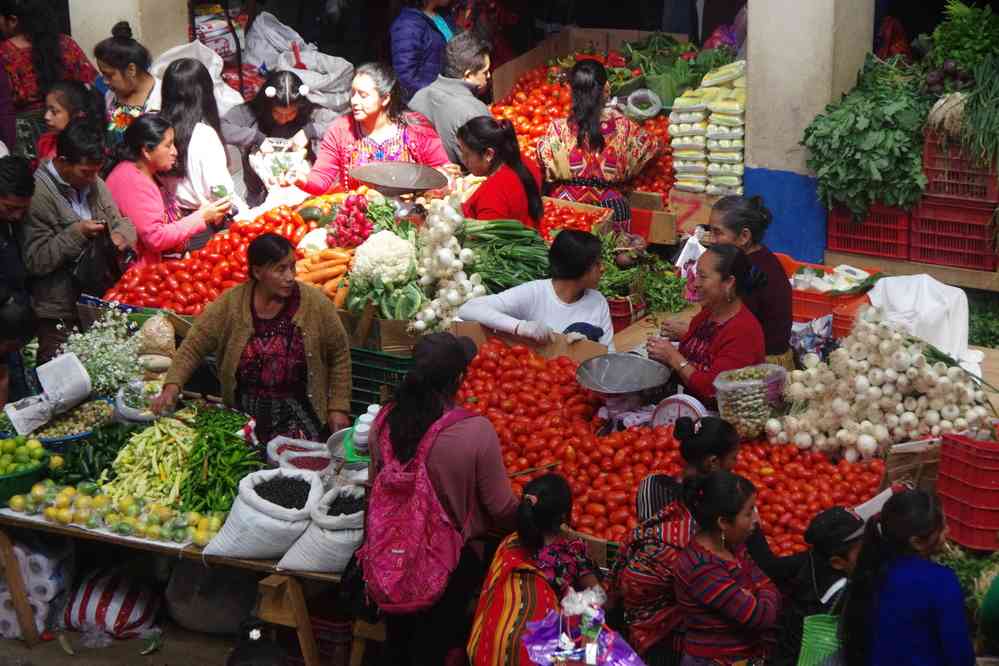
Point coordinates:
[(724, 169), (687, 263), (726, 144), (719, 191), (689, 129), (726, 181), (689, 142), (733, 102), (281, 161), (225, 96), (682, 117), (157, 337), (694, 166), (722, 157), (697, 187), (330, 541), (259, 529), (652, 104), (748, 396), (724, 74), (690, 155), (328, 77), (720, 132), (725, 120), (99, 602), (268, 38)]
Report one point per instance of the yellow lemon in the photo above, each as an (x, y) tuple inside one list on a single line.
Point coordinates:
[(201, 538), (69, 491), (81, 516), (214, 524), (125, 502), (165, 513), (193, 517), (83, 502), (39, 491), (100, 502), (51, 513), (204, 525), (17, 503), (153, 532), (64, 516), (62, 501)]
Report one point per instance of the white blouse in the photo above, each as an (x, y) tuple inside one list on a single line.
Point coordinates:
[(207, 167)]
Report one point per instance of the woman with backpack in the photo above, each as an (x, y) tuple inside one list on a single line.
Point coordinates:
[(439, 483)]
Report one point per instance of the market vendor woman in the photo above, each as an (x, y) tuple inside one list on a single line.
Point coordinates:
[(378, 129), (283, 356), (742, 222), (724, 335)]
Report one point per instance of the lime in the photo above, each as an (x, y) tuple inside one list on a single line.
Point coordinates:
[(9, 446), (56, 462), (22, 456), (94, 521), (36, 454), (17, 503), (34, 444), (214, 524)]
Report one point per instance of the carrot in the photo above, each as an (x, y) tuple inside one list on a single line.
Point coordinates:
[(303, 265), (341, 294), (321, 276), (323, 265), (334, 253), (331, 286)]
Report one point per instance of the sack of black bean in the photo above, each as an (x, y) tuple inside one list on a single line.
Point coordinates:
[(337, 530), (271, 511)]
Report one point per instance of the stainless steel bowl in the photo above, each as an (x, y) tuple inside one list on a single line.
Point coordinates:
[(613, 374), (394, 179)]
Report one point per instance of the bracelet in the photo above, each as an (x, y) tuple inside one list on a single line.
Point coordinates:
[(683, 365)]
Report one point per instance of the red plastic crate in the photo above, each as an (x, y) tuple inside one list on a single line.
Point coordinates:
[(953, 174), (626, 311), (883, 233), (968, 486), (951, 234), (845, 314), (806, 304)]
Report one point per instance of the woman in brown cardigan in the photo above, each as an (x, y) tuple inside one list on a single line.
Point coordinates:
[(283, 355)]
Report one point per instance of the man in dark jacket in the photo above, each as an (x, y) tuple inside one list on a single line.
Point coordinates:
[(451, 101), (16, 188), (419, 35)]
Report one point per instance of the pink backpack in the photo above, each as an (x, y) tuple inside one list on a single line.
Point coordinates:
[(411, 545)]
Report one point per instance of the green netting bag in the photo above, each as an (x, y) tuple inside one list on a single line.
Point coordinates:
[(820, 645)]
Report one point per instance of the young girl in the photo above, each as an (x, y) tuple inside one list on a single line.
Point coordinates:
[(546, 505), (68, 101), (901, 607), (281, 109)]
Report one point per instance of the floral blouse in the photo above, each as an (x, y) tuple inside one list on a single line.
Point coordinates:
[(28, 95), (565, 562), (120, 115)]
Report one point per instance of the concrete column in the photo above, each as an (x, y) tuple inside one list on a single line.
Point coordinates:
[(802, 56), (158, 24)]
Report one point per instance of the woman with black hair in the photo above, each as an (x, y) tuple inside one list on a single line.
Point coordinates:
[(724, 335), (512, 190), (124, 64), (283, 356), (378, 129), (729, 606), (536, 310), (281, 109), (35, 55), (147, 152), (201, 174), (465, 468), (901, 607), (66, 102), (588, 156), (644, 571), (742, 222)]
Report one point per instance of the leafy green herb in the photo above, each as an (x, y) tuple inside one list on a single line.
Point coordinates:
[(981, 119), (968, 36), (868, 148), (983, 321), (974, 573), (663, 287)]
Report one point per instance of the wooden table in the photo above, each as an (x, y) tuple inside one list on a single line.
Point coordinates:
[(280, 597)]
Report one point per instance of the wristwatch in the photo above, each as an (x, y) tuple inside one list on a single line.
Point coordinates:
[(683, 365)]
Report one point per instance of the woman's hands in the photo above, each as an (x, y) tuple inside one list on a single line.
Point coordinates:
[(672, 330), (166, 400), (213, 213), (663, 351)]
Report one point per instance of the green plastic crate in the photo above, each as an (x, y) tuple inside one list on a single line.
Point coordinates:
[(375, 376), (20, 483)]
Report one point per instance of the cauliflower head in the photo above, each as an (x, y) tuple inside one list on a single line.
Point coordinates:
[(387, 256)]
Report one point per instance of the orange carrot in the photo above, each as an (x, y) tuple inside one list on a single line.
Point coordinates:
[(341, 294), (321, 276)]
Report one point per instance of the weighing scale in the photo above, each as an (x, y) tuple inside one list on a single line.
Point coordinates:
[(397, 179), (676, 407)]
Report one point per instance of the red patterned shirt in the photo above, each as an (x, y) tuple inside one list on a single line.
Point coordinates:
[(17, 62)]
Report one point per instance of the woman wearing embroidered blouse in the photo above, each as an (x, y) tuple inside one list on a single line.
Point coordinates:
[(378, 129), (148, 151), (132, 90), (35, 56), (728, 604), (202, 164)]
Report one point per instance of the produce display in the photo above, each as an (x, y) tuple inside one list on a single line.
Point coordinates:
[(384, 273), (346, 504), (532, 104), (327, 270), (351, 226), (186, 286), (881, 387), (77, 421), (543, 419), (657, 176), (152, 465), (557, 217), (967, 37), (868, 148), (286, 491), (506, 252), (19, 454), (108, 351), (631, 271), (217, 461), (86, 462)]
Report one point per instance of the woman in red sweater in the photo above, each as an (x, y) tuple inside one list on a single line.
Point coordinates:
[(512, 190), (724, 335)]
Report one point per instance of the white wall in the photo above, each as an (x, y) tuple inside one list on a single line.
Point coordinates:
[(158, 24), (802, 55)]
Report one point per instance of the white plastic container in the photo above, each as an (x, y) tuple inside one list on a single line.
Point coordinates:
[(365, 419), (374, 409), (361, 433)]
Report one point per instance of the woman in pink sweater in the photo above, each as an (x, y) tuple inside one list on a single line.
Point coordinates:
[(146, 151)]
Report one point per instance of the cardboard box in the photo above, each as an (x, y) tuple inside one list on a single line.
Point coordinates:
[(691, 209), (568, 41), (577, 351), (650, 219), (385, 335)]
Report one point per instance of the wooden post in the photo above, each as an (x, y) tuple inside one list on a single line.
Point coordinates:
[(281, 602), (18, 593)]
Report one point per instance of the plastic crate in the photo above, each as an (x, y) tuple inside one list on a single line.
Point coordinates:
[(948, 233), (883, 233), (845, 314), (807, 304), (375, 376), (953, 174), (626, 311), (968, 486)]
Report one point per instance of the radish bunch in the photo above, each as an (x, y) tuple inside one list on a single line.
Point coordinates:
[(351, 227)]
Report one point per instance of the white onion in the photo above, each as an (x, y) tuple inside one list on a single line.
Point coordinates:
[(803, 440), (851, 455), (867, 446)]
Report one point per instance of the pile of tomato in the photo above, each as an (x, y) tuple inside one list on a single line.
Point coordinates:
[(186, 286), (558, 217), (532, 104), (657, 176), (544, 420)]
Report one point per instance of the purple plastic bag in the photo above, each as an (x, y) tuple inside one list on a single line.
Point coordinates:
[(542, 642)]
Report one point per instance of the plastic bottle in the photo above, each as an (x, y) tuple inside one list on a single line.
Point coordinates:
[(361, 433), (374, 409)]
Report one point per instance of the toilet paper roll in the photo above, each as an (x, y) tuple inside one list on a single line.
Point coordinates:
[(45, 589), (41, 566), (8, 616)]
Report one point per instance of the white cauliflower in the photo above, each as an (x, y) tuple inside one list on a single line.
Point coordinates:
[(387, 256)]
